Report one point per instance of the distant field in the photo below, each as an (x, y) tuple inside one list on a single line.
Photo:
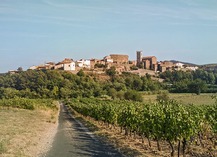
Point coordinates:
[(21, 131), (185, 98)]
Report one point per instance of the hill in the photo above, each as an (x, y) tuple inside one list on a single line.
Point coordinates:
[(210, 67), (186, 63)]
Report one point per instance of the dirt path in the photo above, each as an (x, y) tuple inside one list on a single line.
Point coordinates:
[(73, 140)]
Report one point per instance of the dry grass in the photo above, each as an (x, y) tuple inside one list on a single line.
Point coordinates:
[(21, 131), (202, 99), (185, 98)]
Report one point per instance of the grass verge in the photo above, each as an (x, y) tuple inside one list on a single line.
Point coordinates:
[(23, 132)]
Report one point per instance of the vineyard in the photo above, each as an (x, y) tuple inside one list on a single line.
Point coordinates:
[(181, 126)]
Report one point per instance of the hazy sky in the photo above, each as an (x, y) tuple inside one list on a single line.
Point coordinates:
[(37, 31)]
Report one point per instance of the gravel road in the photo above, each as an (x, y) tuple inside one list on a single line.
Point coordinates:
[(74, 140)]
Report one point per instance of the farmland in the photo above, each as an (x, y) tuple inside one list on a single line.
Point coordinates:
[(26, 132), (184, 98), (135, 105), (182, 127)]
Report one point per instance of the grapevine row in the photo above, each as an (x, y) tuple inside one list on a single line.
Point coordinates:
[(168, 121)]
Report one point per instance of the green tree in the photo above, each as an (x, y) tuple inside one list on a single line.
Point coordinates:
[(163, 96), (197, 86), (55, 92), (137, 84), (9, 93), (211, 78), (81, 73), (20, 69), (112, 92), (133, 95), (65, 93), (111, 71)]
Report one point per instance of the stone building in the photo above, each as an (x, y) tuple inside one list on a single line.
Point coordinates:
[(165, 65), (119, 58), (93, 62), (150, 63)]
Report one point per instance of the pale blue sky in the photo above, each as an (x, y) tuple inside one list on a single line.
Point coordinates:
[(37, 31)]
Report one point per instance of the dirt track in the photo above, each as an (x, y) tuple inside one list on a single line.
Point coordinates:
[(75, 140)]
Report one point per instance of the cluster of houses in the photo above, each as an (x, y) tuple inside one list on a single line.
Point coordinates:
[(66, 64), (120, 61)]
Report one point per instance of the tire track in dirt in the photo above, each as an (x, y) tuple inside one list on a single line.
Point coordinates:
[(73, 139)]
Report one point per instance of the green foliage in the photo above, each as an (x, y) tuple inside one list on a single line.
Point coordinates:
[(9, 93), (30, 104), (112, 92), (63, 85), (133, 95), (211, 115), (120, 95), (19, 69), (163, 96), (133, 67), (165, 120), (98, 65), (3, 147), (197, 86), (191, 81), (111, 71), (81, 73)]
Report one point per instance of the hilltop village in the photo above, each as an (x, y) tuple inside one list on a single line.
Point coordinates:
[(121, 62)]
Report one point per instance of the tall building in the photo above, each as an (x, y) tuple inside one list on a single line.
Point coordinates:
[(139, 57)]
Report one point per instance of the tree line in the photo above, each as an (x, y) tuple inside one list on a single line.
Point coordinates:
[(57, 84), (62, 85), (191, 81)]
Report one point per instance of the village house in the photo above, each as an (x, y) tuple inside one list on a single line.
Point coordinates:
[(46, 66), (94, 62), (165, 65), (108, 59), (12, 71), (179, 65), (83, 63), (33, 67), (67, 64), (192, 68), (119, 61)]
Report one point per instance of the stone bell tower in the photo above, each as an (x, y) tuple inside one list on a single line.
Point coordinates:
[(138, 58)]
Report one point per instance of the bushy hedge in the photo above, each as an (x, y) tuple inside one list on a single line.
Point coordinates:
[(30, 104)]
